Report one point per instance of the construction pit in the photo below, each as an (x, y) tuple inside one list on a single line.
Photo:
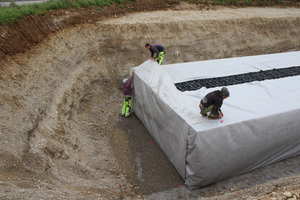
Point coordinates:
[(62, 134)]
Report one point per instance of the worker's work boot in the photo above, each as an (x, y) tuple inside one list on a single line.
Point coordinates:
[(210, 117), (127, 112), (124, 107), (203, 114)]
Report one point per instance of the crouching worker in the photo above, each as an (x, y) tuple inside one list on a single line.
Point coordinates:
[(127, 96), (159, 51), (212, 103)]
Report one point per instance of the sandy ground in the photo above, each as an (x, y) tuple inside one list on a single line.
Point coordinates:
[(227, 14), (62, 135)]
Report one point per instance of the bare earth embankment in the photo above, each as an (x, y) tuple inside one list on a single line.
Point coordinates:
[(61, 132)]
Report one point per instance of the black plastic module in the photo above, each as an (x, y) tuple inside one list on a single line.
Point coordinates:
[(238, 79)]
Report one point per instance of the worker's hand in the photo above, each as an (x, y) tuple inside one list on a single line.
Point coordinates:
[(132, 72), (220, 115), (155, 59), (149, 58)]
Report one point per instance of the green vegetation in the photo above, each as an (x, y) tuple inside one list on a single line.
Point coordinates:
[(260, 2), (219, 2), (99, 9), (14, 12), (234, 2), (248, 2)]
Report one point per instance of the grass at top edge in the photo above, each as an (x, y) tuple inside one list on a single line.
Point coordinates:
[(12, 13)]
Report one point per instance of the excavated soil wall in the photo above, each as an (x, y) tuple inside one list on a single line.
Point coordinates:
[(60, 101)]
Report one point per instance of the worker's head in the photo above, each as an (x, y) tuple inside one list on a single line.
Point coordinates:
[(147, 46), (125, 80), (225, 92)]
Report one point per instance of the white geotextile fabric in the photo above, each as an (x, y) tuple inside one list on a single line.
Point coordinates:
[(259, 127), (230, 66), (154, 102)]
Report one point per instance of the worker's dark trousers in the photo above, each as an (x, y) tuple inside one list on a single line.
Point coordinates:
[(126, 106)]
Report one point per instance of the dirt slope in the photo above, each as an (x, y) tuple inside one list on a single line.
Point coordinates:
[(62, 136)]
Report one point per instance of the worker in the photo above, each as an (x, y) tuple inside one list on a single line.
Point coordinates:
[(159, 51), (212, 103), (127, 89)]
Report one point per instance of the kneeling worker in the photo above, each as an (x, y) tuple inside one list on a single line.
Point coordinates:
[(127, 96), (212, 103)]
